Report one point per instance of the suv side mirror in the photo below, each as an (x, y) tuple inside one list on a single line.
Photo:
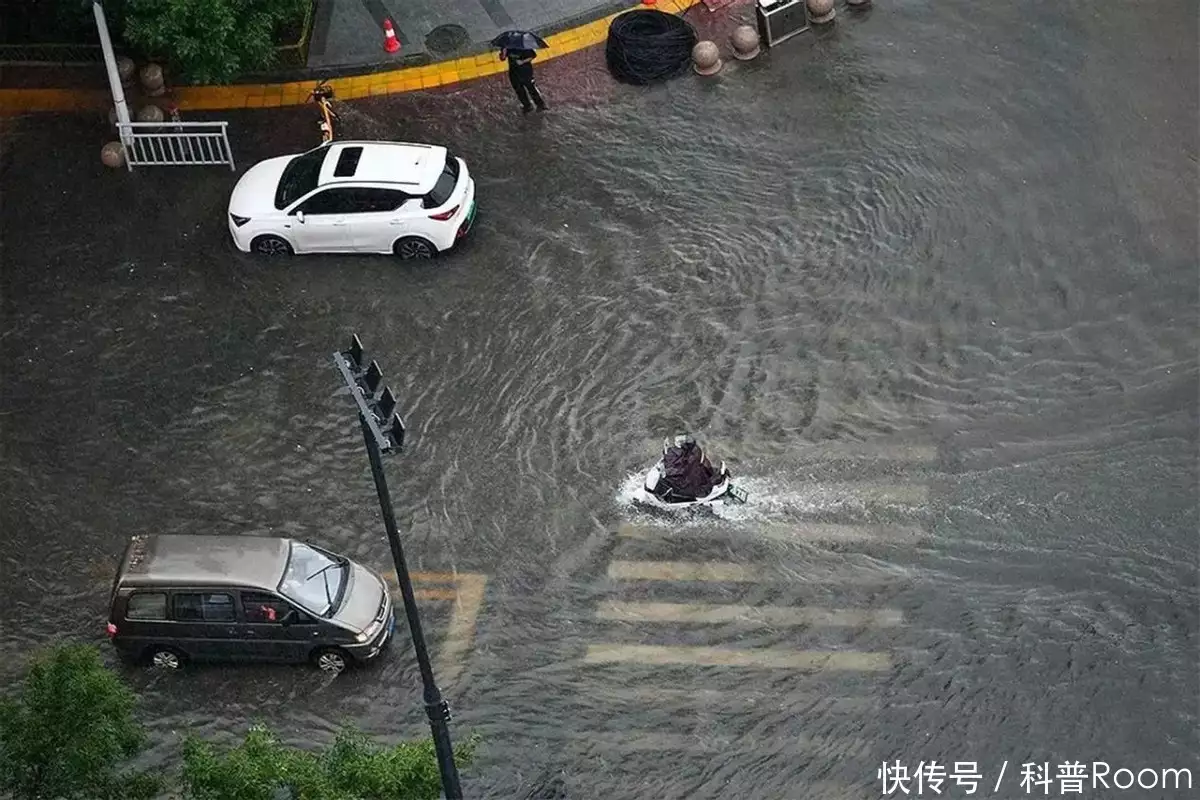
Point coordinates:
[(300, 217), (290, 618)]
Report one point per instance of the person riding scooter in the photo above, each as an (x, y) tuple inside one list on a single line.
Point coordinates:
[(686, 470)]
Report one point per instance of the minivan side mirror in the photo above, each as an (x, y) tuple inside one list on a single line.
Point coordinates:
[(290, 618)]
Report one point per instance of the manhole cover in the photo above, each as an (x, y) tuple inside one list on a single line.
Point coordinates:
[(446, 39)]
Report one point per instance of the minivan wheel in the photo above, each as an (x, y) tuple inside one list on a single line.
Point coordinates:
[(271, 246), (165, 658), (331, 660), (414, 247)]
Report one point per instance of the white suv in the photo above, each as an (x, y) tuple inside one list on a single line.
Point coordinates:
[(414, 200)]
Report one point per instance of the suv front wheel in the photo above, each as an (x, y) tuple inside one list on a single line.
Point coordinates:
[(271, 246)]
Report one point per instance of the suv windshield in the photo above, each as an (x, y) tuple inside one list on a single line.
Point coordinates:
[(299, 177), (313, 579), (444, 188)]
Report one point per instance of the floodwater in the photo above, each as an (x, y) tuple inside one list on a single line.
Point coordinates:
[(928, 282)]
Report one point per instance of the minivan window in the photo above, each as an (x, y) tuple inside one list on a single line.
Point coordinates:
[(261, 607), (444, 188), (146, 605), (313, 580), (204, 608)]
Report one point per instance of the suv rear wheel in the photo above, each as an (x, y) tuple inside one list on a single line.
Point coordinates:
[(164, 658), (411, 247)]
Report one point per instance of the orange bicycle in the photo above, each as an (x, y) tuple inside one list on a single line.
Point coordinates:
[(322, 95)]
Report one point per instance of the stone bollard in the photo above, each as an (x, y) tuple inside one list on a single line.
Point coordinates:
[(113, 155), (152, 80), (706, 58), (150, 113), (127, 70), (821, 11), (745, 43)]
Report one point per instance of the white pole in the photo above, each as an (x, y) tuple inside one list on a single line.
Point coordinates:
[(114, 77)]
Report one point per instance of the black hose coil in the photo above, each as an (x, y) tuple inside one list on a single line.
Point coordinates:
[(646, 46)]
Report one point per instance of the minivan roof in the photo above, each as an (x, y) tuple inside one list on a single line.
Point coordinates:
[(170, 559)]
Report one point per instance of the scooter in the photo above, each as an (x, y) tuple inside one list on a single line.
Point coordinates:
[(659, 495)]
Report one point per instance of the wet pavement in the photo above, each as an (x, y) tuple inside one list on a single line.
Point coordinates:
[(927, 282)]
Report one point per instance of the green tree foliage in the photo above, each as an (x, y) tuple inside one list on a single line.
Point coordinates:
[(210, 41), (353, 768), (68, 731)]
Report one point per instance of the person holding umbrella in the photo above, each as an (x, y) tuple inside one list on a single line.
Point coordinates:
[(518, 48)]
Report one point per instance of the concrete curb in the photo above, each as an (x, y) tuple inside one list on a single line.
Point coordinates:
[(350, 87)]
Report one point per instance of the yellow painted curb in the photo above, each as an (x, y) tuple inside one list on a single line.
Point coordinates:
[(274, 95)]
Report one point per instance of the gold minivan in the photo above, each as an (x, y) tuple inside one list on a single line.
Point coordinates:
[(181, 598)]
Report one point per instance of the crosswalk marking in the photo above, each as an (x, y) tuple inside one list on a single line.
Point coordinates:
[(657, 741), (682, 571), (769, 658), (787, 532), (764, 615), (721, 700)]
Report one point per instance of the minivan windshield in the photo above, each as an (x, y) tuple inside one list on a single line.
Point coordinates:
[(313, 579)]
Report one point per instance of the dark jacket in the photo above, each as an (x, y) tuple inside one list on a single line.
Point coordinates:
[(520, 70), (687, 471)]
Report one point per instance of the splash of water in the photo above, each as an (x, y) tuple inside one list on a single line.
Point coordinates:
[(769, 499)]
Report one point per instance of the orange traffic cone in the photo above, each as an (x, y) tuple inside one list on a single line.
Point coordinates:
[(390, 42)]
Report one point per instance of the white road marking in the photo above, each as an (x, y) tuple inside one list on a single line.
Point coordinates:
[(655, 742), (762, 615), (783, 532), (734, 699), (768, 658)]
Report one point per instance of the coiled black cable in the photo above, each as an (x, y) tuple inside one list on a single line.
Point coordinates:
[(645, 46)]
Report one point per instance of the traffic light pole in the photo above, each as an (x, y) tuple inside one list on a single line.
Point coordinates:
[(435, 706), (383, 430)]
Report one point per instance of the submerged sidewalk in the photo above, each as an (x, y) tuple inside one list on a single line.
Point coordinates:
[(371, 79)]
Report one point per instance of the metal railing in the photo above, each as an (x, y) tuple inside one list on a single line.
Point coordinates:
[(177, 144)]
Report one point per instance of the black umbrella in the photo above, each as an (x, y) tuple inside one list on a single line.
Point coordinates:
[(519, 40)]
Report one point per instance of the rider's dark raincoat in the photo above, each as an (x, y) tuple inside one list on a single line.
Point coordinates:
[(687, 470)]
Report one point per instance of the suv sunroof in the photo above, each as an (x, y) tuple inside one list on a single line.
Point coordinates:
[(347, 162)]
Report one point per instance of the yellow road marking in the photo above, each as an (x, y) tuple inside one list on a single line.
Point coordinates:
[(805, 660), (682, 571), (467, 593), (436, 594), (763, 615), (461, 634)]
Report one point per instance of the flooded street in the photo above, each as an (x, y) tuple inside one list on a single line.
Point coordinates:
[(927, 282)]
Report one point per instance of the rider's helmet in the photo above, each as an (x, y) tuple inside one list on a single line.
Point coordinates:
[(684, 441)]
